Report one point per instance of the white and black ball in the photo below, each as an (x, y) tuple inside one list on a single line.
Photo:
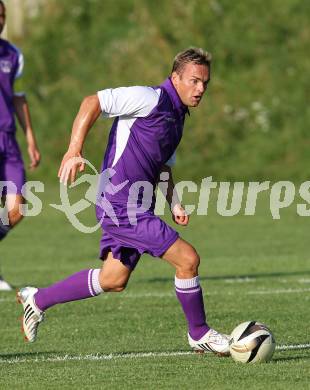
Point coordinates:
[(252, 342)]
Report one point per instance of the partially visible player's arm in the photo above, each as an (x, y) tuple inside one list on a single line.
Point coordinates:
[(178, 213), (72, 161), (23, 115)]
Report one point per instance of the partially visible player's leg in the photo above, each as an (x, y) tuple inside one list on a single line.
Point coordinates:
[(14, 203), (11, 212), (12, 172), (4, 219), (186, 260), (10, 217), (84, 284)]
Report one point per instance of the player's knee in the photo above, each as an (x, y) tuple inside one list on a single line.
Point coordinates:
[(113, 285), (190, 264), (118, 289), (193, 261)]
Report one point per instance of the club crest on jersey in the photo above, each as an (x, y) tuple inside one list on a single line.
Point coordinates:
[(169, 119), (5, 66)]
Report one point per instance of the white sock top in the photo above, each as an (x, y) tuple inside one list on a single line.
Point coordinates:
[(187, 283), (95, 282)]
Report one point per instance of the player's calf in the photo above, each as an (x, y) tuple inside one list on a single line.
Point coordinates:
[(82, 285)]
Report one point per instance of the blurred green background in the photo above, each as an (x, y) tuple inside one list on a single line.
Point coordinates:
[(253, 124)]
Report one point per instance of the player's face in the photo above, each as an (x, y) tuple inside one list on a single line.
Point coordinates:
[(192, 83), (2, 17)]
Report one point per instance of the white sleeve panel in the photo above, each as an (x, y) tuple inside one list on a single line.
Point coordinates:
[(172, 160), (128, 101), (20, 66)]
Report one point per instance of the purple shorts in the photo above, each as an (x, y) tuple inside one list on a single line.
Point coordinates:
[(128, 242), (11, 164)]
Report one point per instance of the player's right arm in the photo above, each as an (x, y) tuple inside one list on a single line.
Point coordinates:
[(134, 101), (72, 161)]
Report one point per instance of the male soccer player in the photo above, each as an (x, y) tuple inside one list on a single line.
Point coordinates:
[(144, 136), (11, 163)]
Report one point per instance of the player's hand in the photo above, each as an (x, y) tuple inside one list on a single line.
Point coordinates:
[(179, 215), (34, 156), (72, 163)]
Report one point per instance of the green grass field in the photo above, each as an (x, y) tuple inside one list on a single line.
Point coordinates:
[(252, 268)]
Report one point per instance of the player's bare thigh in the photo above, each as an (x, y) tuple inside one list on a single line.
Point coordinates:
[(114, 275), (184, 258), (12, 204)]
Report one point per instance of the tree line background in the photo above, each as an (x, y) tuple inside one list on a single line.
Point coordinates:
[(253, 123)]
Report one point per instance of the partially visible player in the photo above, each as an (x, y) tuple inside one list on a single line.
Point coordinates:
[(143, 139), (11, 162)]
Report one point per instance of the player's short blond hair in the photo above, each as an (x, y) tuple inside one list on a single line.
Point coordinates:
[(193, 54)]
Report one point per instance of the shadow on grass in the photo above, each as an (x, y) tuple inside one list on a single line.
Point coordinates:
[(238, 277)]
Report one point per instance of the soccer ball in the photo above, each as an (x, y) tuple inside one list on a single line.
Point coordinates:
[(251, 342)]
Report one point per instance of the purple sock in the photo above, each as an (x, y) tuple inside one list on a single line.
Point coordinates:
[(190, 296), (84, 284)]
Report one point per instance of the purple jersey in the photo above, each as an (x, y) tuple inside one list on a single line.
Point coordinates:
[(11, 65), (11, 162), (144, 136)]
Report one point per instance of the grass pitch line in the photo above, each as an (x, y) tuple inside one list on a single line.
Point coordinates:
[(139, 355), (94, 357), (253, 292), (280, 291), (292, 347)]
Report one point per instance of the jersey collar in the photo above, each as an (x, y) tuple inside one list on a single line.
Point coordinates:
[(175, 98)]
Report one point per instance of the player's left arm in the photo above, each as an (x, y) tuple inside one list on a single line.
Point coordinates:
[(23, 115), (179, 215)]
